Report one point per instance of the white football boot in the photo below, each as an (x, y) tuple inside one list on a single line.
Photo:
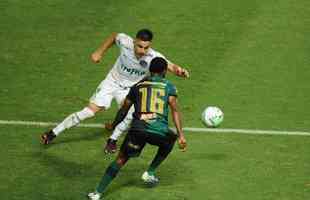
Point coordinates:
[(149, 179), (94, 196)]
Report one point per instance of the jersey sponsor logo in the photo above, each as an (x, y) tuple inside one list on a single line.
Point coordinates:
[(148, 116), (133, 71), (133, 146)]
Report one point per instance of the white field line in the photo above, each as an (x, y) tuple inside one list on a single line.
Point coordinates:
[(191, 129)]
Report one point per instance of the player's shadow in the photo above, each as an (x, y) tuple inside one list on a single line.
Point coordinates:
[(128, 179), (209, 156), (61, 167), (131, 176), (216, 156), (86, 135)]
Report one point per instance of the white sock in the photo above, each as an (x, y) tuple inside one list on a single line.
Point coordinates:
[(73, 120), (123, 126), (119, 130)]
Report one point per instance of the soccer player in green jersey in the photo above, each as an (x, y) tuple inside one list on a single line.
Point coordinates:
[(151, 98)]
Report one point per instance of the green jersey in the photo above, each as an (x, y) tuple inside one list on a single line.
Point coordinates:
[(150, 98)]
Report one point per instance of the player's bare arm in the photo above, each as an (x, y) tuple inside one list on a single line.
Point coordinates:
[(177, 70), (106, 44), (177, 122), (122, 112)]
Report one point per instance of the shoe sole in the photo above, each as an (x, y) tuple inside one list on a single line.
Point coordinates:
[(151, 184)]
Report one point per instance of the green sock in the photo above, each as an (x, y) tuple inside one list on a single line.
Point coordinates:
[(155, 163), (109, 175)]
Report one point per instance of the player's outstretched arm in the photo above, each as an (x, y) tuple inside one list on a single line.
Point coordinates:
[(177, 70), (96, 56), (177, 122)]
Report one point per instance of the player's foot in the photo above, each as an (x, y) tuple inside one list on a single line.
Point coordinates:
[(111, 146), (47, 137), (150, 180), (94, 196)]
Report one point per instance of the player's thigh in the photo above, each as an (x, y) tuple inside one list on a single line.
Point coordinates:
[(164, 144), (93, 107), (120, 95), (103, 95), (167, 141), (133, 143)]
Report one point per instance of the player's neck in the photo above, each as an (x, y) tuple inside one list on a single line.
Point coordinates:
[(138, 56), (158, 75)]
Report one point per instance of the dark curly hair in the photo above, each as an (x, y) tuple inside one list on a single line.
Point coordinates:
[(158, 65)]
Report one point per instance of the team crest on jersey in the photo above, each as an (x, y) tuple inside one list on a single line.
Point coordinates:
[(143, 63)]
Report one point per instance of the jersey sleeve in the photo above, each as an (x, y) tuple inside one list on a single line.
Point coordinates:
[(172, 90), (123, 40), (158, 54)]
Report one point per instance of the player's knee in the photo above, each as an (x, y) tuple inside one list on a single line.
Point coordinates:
[(121, 161), (164, 153), (165, 150), (172, 136), (94, 108)]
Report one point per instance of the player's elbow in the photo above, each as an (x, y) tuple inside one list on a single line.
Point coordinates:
[(113, 36)]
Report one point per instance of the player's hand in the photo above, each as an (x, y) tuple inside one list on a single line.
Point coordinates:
[(182, 143), (108, 126), (96, 57), (184, 73)]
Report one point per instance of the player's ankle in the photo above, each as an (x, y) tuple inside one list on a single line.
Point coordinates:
[(112, 140), (151, 172)]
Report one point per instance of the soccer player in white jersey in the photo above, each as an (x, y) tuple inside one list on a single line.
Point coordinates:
[(131, 66)]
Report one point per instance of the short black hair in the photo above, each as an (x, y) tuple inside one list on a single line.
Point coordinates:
[(158, 65), (144, 35)]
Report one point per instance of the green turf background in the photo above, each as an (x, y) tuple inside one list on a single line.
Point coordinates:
[(251, 58)]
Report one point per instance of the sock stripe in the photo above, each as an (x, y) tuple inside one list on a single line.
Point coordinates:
[(77, 117)]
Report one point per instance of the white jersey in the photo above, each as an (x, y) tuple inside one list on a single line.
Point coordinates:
[(128, 69)]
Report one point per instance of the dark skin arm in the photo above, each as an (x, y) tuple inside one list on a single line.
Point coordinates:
[(177, 122), (122, 112)]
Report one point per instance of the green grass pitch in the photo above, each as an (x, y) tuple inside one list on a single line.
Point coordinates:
[(251, 58)]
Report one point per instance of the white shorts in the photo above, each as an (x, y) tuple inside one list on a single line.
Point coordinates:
[(107, 90)]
